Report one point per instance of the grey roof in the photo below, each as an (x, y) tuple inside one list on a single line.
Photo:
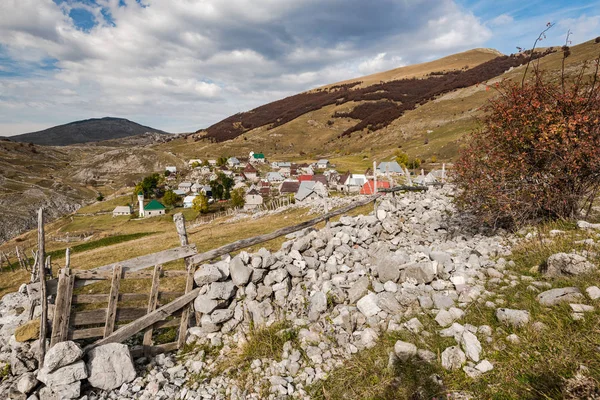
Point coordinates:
[(274, 176), (284, 164), (179, 192), (322, 161), (390, 166), (122, 209), (185, 184), (306, 189), (233, 160)]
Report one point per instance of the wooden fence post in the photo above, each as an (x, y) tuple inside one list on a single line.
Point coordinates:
[(179, 220), (62, 309), (113, 299), (152, 303), (43, 296)]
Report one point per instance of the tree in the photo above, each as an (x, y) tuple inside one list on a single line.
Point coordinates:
[(221, 161), (221, 187), (237, 197), (171, 198), (195, 164), (147, 185), (100, 197), (167, 172), (200, 204), (401, 158), (537, 156)]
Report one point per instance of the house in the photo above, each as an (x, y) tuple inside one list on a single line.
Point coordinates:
[(179, 192), (351, 183), (274, 177), (196, 187), (233, 162), (185, 186), (389, 167), (212, 163), (369, 187), (310, 190), (285, 169), (154, 208), (122, 210), (250, 172), (188, 201), (323, 164), (289, 187), (306, 170), (253, 200), (206, 190), (171, 169), (264, 187), (257, 157), (194, 160)]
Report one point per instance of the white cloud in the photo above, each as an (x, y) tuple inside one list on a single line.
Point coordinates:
[(176, 63), (379, 63), (502, 19)]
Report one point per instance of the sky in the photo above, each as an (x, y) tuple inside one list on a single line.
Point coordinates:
[(182, 65)]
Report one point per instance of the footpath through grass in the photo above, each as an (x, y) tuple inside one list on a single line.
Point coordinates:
[(94, 244)]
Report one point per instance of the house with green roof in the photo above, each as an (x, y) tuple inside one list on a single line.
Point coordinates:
[(154, 208), (257, 157)]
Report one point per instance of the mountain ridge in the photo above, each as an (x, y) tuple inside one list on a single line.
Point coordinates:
[(86, 131)]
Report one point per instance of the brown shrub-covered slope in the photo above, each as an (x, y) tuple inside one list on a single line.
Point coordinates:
[(391, 98)]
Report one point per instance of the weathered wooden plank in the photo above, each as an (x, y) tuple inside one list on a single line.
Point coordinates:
[(103, 275), (93, 317), (241, 244), (152, 302), (103, 298), (99, 331), (111, 310), (139, 351), (62, 308), (64, 329), (189, 283), (44, 297), (149, 260), (136, 326)]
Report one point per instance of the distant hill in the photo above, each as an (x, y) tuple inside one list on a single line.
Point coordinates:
[(86, 131)]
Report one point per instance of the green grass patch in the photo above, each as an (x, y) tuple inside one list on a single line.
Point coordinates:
[(368, 375), (94, 244)]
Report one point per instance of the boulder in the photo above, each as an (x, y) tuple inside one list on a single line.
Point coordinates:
[(28, 331), (453, 358), (405, 350), (240, 274), (516, 318), (221, 290), (553, 297), (62, 354), (593, 292), (423, 272), (317, 305), (358, 289), (570, 264), (368, 305), (27, 382), (220, 316), (471, 345), (110, 366), (207, 274), (63, 376), (204, 304)]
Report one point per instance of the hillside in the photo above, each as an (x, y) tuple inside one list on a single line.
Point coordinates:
[(356, 121), (86, 131)]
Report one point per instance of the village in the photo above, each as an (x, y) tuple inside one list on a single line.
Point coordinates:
[(255, 181)]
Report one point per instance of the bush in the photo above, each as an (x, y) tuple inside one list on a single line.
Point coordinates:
[(537, 156), (100, 197), (200, 204), (170, 198), (237, 197)]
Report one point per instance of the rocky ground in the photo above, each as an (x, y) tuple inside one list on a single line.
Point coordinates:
[(274, 325)]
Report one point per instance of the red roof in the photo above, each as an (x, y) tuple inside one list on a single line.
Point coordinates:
[(302, 178), (368, 187), (249, 168)]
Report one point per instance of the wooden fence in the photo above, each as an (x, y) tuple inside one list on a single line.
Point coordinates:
[(117, 321)]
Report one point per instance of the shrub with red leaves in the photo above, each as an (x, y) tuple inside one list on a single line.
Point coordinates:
[(537, 156)]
